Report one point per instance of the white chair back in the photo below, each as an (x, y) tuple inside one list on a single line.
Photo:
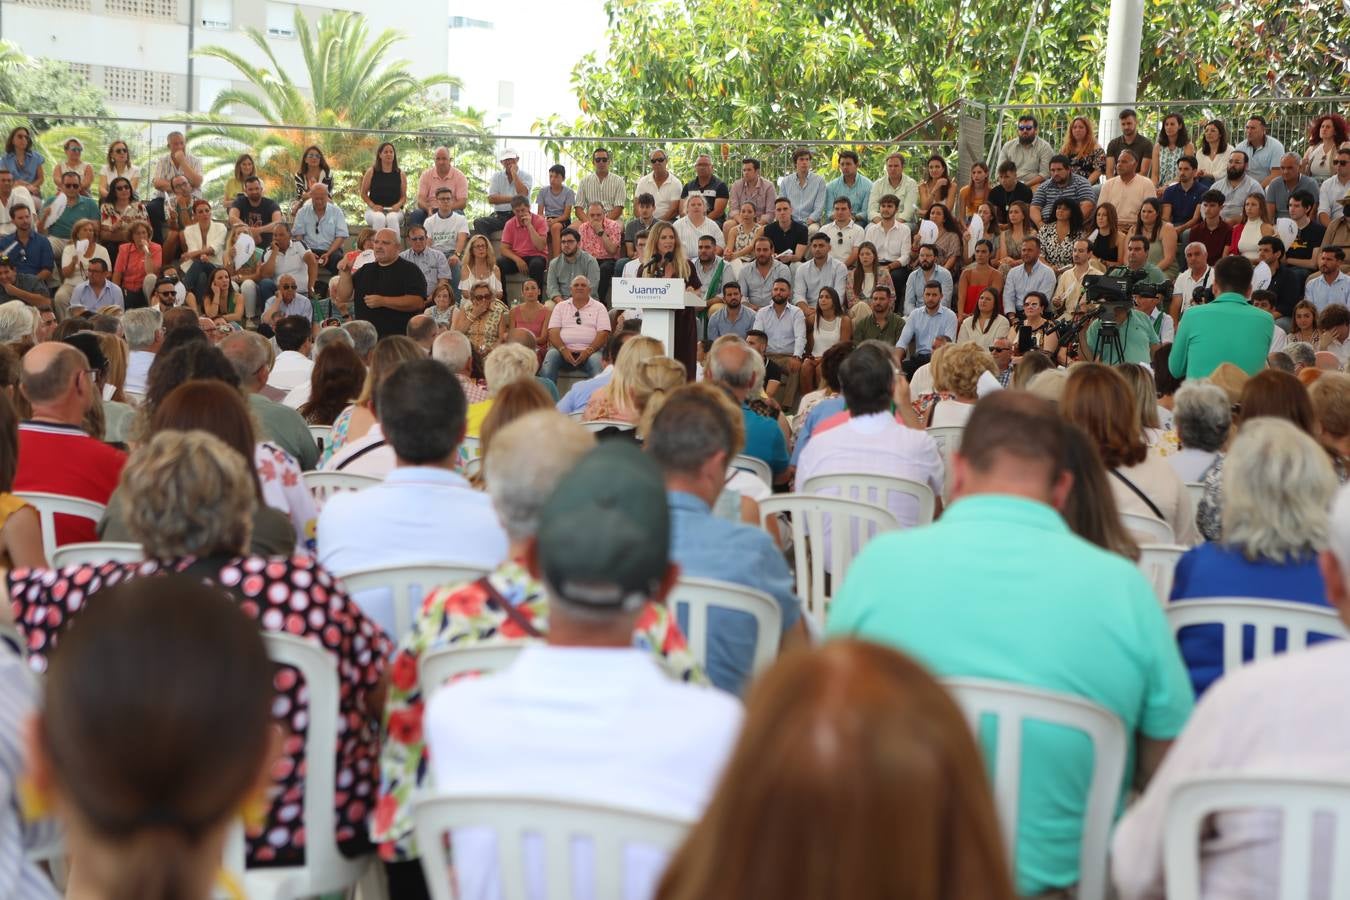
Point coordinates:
[(440, 665), (557, 823), (755, 466), (95, 552), (1299, 621), (322, 434), (323, 485), (1299, 798), (1014, 706), (602, 424), (1158, 562), (1148, 529), (948, 440), (49, 506), (813, 553), (876, 490), (702, 594), (471, 448), (325, 869), (409, 585), (1197, 491)]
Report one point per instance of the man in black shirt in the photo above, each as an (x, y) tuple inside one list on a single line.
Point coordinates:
[(1286, 282), (256, 211), (389, 291), (1302, 253), (788, 235), (713, 189), (1008, 190)]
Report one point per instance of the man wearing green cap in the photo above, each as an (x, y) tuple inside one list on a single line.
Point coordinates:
[(584, 715)]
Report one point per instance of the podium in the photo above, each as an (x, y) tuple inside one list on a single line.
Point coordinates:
[(658, 299)]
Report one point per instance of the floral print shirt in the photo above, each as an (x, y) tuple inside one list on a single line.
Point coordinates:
[(295, 596), (461, 615)]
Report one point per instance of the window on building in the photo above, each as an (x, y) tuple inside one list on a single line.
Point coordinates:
[(216, 14), (281, 19)]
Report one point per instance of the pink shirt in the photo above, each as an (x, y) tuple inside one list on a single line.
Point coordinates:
[(594, 319), (591, 243), (515, 237), (430, 183)]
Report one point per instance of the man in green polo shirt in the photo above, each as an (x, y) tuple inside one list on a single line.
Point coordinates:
[(1066, 617), (1228, 329), (883, 324)]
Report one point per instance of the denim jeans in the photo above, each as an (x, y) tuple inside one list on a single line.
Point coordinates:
[(554, 363)]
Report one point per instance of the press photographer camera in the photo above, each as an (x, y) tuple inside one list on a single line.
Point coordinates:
[(1117, 331)]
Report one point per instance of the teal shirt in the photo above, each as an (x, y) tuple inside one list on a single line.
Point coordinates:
[(1227, 329), (85, 208), (1060, 614), (1137, 339)]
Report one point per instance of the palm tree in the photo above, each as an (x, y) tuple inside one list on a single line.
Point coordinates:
[(351, 85)]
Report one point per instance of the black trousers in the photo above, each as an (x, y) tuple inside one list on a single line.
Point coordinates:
[(537, 266)]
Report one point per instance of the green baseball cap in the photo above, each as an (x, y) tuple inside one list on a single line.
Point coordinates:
[(604, 534)]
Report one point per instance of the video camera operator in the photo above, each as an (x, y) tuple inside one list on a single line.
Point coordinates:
[(1130, 334)]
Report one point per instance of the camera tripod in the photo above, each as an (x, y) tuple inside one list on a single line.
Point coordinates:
[(1108, 337)]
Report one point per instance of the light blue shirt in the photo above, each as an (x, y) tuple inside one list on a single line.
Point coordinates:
[(756, 289), (918, 278), (810, 278), (1261, 162), (922, 327), (576, 399), (318, 233), (857, 195), (786, 333), (111, 295), (1321, 295), (1019, 283), (708, 546), (500, 184), (720, 323), (808, 201)]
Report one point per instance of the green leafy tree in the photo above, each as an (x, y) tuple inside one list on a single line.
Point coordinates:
[(349, 82)]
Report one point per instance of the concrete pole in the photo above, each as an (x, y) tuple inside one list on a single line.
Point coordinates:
[(1120, 74)]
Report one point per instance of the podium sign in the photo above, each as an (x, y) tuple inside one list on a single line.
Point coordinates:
[(658, 299)]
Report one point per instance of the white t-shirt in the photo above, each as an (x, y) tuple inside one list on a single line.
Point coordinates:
[(1186, 284), (444, 233), (689, 234)]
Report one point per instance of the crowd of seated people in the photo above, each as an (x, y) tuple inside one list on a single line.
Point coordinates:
[(584, 468)]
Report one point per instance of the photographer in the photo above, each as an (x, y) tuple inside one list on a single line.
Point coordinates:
[(1133, 329), (1229, 329), (1195, 286)]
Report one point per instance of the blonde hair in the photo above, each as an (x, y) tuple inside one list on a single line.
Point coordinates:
[(388, 354), (81, 223), (1330, 396), (1277, 481), (507, 363), (681, 262), (622, 387), (115, 374), (188, 493), (957, 368), (1145, 394), (657, 377)]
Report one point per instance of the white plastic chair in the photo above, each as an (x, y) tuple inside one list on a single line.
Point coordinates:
[(1197, 491), (813, 554), (325, 869), (876, 490), (409, 583), (1299, 620), (322, 434), (49, 506), (1299, 798), (323, 485), (755, 466), (1013, 706), (95, 552), (602, 424), (701, 594), (440, 665), (557, 822), (471, 448), (948, 440), (1158, 562), (1150, 528)]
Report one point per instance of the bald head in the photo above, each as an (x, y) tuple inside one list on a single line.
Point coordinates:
[(385, 244), (422, 329), (522, 337), (50, 378)]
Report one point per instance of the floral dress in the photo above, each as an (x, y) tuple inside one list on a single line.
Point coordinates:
[(338, 437), (1167, 164), (284, 489), (1055, 252), (467, 614), (1092, 162), (293, 596), (486, 329)]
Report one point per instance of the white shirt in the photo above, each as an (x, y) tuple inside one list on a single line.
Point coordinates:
[(138, 370), (21, 195), (689, 233), (367, 455), (875, 444), (852, 235), (1186, 283), (664, 194), (298, 396), (1160, 483), (1332, 190), (1278, 338), (588, 724), (419, 514), (786, 333), (290, 261), (891, 245), (289, 371), (1191, 464), (1286, 714), (1169, 328)]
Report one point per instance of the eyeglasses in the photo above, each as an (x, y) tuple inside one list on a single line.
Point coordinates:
[(1026, 127), (76, 149), (658, 159), (417, 237), (124, 187), (169, 293), (600, 159), (1342, 162)]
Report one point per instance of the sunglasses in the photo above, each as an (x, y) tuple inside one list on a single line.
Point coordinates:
[(165, 293), (658, 159), (1026, 127), (578, 318), (601, 159), (119, 149), (841, 237)]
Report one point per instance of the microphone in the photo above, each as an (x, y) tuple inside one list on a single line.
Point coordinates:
[(669, 257)]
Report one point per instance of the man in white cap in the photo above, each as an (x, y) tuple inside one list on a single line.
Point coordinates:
[(508, 183)]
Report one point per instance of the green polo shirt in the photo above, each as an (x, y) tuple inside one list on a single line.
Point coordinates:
[(1227, 329), (868, 330), (1137, 339), (1061, 614)]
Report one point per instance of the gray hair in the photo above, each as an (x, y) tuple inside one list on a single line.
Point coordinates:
[(519, 478), (1276, 481), (745, 369), (139, 326), (1338, 537), (247, 352), (453, 349), (331, 335), (507, 363), (1202, 415), (1302, 353), (363, 335), (18, 320)]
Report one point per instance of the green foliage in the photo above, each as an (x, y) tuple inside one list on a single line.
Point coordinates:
[(349, 83)]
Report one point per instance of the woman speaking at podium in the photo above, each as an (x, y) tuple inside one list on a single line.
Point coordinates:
[(663, 257)]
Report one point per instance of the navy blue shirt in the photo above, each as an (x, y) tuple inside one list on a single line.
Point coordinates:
[(1183, 202), (28, 259)]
